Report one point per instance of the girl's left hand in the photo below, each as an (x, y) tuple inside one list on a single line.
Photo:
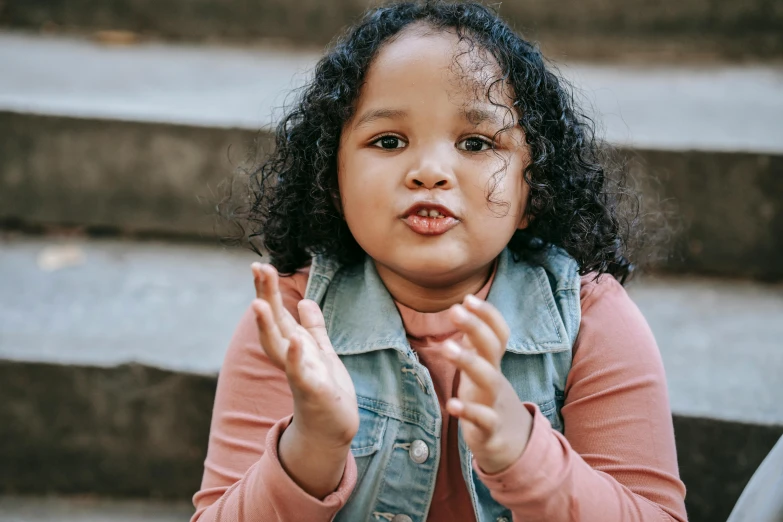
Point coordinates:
[(495, 424)]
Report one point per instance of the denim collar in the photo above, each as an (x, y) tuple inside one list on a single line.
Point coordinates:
[(361, 316)]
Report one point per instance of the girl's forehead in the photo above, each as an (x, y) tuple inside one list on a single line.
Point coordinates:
[(466, 71)]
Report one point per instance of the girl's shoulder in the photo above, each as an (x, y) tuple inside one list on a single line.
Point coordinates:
[(603, 291), (611, 323)]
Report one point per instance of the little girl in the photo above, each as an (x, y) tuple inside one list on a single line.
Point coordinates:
[(448, 340)]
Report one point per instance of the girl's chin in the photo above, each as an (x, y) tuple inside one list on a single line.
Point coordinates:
[(437, 256), (430, 261)]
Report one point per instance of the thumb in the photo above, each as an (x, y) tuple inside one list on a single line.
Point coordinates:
[(312, 320)]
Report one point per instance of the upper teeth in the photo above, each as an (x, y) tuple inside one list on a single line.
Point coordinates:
[(431, 213)]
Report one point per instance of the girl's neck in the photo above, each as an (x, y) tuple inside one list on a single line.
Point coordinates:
[(430, 299)]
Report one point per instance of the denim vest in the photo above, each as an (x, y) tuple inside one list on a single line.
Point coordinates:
[(398, 446)]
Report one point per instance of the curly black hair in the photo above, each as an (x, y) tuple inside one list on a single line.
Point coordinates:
[(575, 188)]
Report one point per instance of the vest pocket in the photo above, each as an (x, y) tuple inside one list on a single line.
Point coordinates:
[(368, 439), (550, 411)]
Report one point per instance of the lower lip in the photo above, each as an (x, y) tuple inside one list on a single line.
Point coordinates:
[(427, 226)]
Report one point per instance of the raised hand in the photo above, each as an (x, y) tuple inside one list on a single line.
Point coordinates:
[(496, 425), (326, 415)]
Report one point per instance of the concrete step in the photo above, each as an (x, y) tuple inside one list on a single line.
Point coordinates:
[(87, 509), (584, 29), (109, 351), (150, 147), (195, 85)]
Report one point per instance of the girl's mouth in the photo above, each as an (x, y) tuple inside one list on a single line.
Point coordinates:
[(430, 226)]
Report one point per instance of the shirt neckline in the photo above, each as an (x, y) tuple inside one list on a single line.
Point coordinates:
[(436, 325)]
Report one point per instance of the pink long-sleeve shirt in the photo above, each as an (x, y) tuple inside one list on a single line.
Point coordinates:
[(616, 461)]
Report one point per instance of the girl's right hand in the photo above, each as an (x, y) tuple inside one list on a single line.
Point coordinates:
[(326, 415)]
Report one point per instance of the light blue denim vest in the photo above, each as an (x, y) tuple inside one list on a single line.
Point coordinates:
[(398, 407)]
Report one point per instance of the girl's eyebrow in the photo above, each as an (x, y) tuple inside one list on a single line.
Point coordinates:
[(476, 116), (380, 114), (473, 115)]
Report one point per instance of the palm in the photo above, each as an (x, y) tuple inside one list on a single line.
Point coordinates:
[(323, 392), (322, 370)]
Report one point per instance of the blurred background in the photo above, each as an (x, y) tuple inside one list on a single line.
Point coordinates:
[(122, 121)]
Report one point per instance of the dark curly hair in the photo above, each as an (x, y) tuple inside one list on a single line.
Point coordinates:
[(575, 192)]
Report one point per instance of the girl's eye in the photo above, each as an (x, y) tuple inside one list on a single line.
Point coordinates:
[(389, 142), (474, 145)]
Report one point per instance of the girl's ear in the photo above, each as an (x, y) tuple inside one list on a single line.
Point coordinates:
[(338, 205)]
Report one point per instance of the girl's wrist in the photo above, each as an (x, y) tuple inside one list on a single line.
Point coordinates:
[(317, 439), (493, 466), (509, 452), (316, 468)]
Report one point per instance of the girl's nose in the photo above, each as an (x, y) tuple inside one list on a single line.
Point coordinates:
[(430, 174)]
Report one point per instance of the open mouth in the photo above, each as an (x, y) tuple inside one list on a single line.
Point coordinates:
[(430, 220), (431, 213)]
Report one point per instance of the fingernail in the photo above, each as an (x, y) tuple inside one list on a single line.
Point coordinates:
[(472, 300), (452, 348)]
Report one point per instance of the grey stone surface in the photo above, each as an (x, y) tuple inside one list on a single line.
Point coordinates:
[(672, 108), (587, 28), (725, 210), (125, 176), (54, 509), (685, 108), (122, 431), (191, 85), (722, 345), (716, 460), (165, 305), (175, 307)]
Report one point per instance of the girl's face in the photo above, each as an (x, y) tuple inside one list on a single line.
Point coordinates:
[(421, 140)]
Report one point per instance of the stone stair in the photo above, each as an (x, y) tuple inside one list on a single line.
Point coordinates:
[(127, 118), (108, 359), (684, 30), (26, 509), (144, 138)]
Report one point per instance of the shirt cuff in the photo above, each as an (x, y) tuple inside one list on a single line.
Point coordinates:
[(531, 467), (286, 494)]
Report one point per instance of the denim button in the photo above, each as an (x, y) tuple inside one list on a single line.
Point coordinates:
[(401, 518), (419, 451)]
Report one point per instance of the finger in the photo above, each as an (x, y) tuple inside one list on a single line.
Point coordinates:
[(269, 335), (312, 320), (490, 315), (293, 361), (481, 336), (258, 278), (476, 368), (481, 416), (267, 282)]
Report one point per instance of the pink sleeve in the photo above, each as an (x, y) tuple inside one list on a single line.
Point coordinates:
[(243, 480), (617, 460)]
